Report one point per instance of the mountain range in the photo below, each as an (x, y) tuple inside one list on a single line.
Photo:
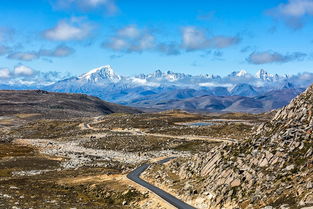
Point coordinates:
[(238, 91)]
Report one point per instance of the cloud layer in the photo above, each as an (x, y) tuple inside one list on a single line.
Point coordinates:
[(18, 71), (23, 56), (72, 30), (131, 39), (194, 38), (25, 75), (87, 5), (293, 12), (59, 51), (267, 57), (4, 73), (23, 70)]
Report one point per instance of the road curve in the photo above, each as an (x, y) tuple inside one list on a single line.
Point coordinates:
[(135, 176)]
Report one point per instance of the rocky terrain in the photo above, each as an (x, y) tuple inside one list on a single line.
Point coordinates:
[(52, 160), (232, 160), (272, 168)]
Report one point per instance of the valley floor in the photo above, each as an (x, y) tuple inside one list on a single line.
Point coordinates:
[(83, 162)]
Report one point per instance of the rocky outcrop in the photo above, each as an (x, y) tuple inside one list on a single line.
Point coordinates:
[(273, 169)]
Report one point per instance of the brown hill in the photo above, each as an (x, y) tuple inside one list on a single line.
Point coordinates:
[(50, 105)]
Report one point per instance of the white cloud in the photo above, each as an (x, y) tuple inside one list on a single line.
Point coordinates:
[(129, 32), (23, 70), (68, 31), (4, 73), (194, 38), (23, 56), (86, 5), (131, 39), (144, 82), (306, 76), (224, 41), (274, 57), (296, 8), (94, 3), (59, 51), (145, 42), (211, 84), (293, 12), (117, 44), (25, 75), (302, 79)]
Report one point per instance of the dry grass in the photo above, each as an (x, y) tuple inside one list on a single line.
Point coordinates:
[(80, 188), (27, 115)]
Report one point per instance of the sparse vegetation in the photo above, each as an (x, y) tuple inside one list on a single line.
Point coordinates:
[(82, 162)]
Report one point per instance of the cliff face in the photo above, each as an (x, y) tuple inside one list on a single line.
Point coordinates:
[(273, 168)]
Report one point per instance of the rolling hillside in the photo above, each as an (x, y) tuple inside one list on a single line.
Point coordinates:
[(56, 105)]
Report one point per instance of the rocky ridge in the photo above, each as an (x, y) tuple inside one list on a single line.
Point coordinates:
[(272, 169)]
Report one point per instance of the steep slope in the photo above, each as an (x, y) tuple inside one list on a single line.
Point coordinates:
[(273, 168), (100, 75), (243, 90), (56, 105)]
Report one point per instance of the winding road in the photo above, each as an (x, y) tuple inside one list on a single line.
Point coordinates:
[(135, 176)]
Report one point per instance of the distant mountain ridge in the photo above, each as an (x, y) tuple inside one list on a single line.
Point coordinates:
[(106, 76), (173, 89)]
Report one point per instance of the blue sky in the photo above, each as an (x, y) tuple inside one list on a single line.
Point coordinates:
[(140, 36)]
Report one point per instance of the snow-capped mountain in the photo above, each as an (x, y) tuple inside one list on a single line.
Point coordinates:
[(265, 76), (105, 76), (237, 81), (242, 73), (91, 82), (159, 76), (100, 75), (147, 90)]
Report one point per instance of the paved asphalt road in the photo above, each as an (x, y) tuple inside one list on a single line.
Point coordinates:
[(134, 176)]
